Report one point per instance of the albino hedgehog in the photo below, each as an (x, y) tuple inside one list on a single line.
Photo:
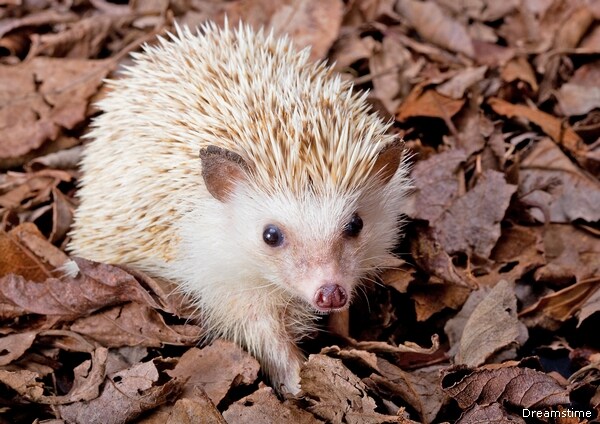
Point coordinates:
[(256, 180)]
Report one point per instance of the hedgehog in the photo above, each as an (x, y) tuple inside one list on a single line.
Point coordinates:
[(258, 181)]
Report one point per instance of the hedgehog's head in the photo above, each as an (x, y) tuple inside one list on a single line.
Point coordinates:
[(317, 241)]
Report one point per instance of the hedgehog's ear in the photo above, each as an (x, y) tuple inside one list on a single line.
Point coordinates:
[(222, 170), (387, 162)]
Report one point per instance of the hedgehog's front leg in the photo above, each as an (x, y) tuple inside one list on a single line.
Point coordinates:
[(276, 351)]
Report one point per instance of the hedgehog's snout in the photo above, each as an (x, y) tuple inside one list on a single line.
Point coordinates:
[(331, 296)]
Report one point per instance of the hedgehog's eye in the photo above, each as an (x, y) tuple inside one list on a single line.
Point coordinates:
[(272, 235), (353, 227)]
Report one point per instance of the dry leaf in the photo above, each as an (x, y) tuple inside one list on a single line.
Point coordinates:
[(293, 18), (472, 223), (435, 26), (428, 103), (96, 286), (262, 406), (125, 395), (336, 395), (216, 368), (421, 389), (456, 86), (556, 188), (560, 132), (46, 95), (521, 387), (582, 93), (492, 327)]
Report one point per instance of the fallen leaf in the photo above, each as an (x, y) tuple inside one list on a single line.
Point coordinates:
[(556, 188), (216, 368), (428, 103), (582, 93), (519, 386), (96, 286), (84, 38), (435, 26), (562, 305), (518, 69), (571, 255), (560, 132), (41, 18), (433, 298), (472, 223), (293, 18), (421, 388), (349, 49), (190, 411), (490, 413), (262, 406), (15, 345), (134, 324), (437, 184), (492, 327), (336, 395), (456, 86), (125, 395), (40, 98)]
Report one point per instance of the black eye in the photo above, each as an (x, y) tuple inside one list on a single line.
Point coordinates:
[(272, 235), (353, 227)]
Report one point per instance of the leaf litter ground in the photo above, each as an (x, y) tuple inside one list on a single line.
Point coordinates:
[(493, 306)]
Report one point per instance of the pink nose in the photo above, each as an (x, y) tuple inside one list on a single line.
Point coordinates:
[(331, 296)]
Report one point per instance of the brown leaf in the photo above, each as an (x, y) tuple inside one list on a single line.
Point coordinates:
[(41, 18), (30, 237), (560, 132), (492, 327), (421, 389), (262, 406), (39, 98), (88, 378), (96, 286), (350, 48), (199, 409), (23, 382), (16, 258), (563, 304), (573, 29), (456, 86), (433, 25), (24, 191), (571, 255), (293, 18), (216, 369), (15, 345), (472, 223), (559, 189), (518, 69), (62, 216), (63, 159), (518, 251), (521, 387), (133, 324), (336, 395), (433, 298), (582, 93), (126, 394), (386, 65), (492, 413), (428, 103), (437, 184), (85, 38), (430, 256), (589, 307)]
